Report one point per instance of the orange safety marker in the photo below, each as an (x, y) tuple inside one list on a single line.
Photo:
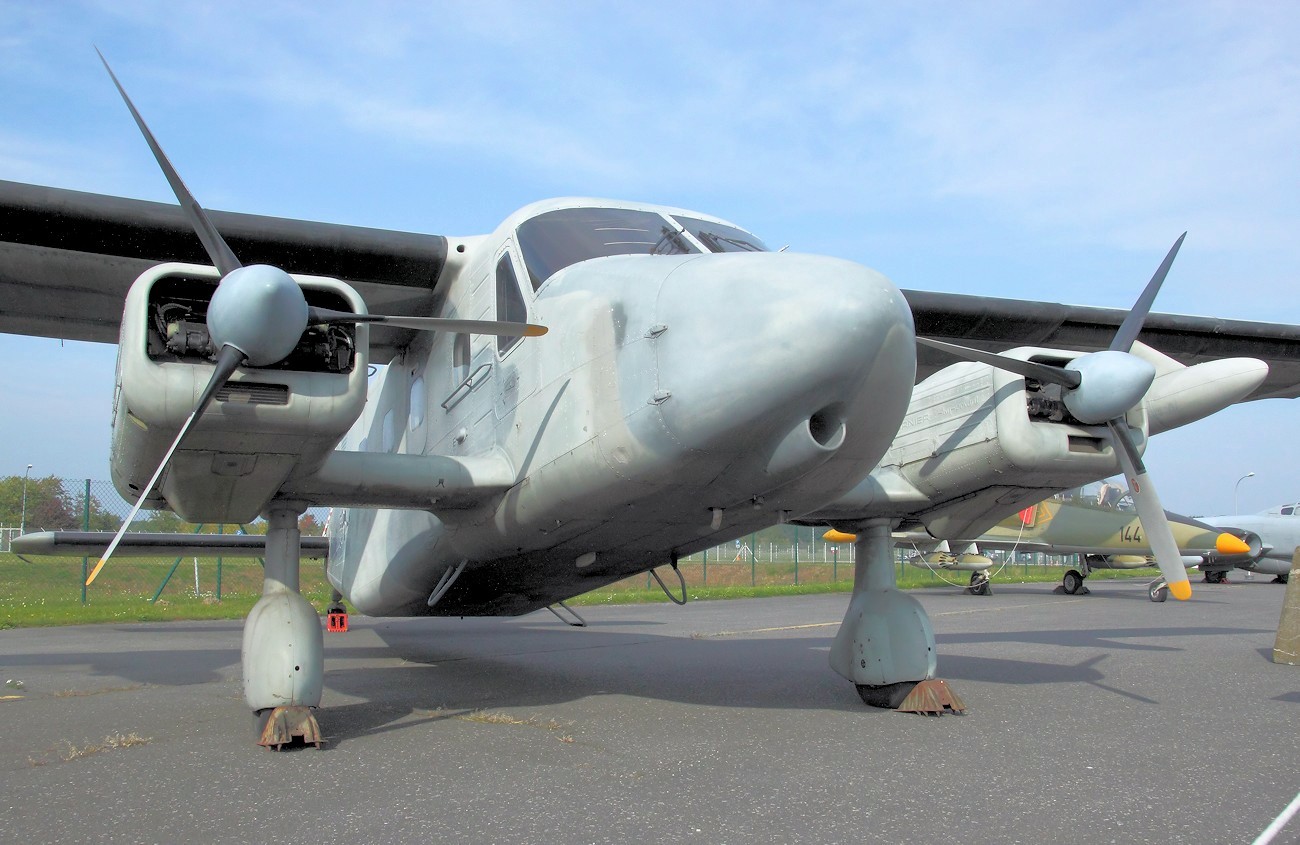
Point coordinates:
[(337, 622)]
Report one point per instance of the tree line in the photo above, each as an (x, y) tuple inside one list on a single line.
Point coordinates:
[(51, 505)]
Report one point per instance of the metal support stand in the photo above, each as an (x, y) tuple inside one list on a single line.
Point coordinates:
[(576, 622), (284, 648), (885, 644), (680, 577)]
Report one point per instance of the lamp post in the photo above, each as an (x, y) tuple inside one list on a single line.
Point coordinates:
[(22, 522), (1234, 490)]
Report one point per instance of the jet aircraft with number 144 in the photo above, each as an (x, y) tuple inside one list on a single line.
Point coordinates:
[(495, 468)]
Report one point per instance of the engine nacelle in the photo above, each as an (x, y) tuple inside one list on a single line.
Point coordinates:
[(980, 443), (266, 425)]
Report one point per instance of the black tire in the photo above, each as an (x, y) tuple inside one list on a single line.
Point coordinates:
[(1158, 591), (888, 696), (1072, 582)]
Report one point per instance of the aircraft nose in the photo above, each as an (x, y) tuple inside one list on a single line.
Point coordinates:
[(796, 354)]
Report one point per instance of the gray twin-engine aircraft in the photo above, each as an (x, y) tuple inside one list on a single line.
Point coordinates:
[(495, 468)]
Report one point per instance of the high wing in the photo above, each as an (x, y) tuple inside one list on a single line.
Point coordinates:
[(67, 259), (998, 324)]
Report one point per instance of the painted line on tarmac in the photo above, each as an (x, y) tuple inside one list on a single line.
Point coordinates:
[(698, 635), (702, 636), (1002, 608), (1280, 822)]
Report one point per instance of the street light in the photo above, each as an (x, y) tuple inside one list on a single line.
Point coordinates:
[(1234, 490), (22, 523)]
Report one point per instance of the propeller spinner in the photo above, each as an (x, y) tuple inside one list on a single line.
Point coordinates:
[(258, 313), (1099, 388)]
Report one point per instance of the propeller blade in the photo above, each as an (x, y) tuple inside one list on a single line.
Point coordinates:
[(432, 324), (218, 250), (1151, 513), (1042, 372), (1132, 325), (228, 360)]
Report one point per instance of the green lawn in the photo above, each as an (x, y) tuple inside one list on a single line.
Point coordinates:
[(48, 591)]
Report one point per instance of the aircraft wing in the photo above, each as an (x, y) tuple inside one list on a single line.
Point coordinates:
[(68, 257), (995, 324)]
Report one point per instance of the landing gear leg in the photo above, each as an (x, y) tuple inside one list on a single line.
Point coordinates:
[(885, 644), (284, 649)]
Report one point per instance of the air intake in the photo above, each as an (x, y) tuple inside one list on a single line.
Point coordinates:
[(253, 393)]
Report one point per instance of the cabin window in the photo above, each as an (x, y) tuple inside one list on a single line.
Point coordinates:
[(1287, 511), (510, 301), (718, 237), (557, 239)]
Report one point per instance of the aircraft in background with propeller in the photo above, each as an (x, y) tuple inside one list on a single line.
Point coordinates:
[(1102, 537), (483, 474)]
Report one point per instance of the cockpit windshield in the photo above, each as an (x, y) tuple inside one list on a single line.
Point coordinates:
[(557, 239), (554, 240), (719, 238)]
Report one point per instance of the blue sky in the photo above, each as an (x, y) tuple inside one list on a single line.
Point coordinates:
[(1040, 150)]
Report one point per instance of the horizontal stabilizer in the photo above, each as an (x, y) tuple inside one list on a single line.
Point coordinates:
[(140, 544)]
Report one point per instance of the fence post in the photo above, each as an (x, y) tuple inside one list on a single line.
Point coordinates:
[(85, 526), (796, 555), (753, 554), (706, 567), (221, 529)]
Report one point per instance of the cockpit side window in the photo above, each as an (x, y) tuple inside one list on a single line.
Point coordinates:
[(1287, 511), (510, 301), (557, 239), (720, 238)]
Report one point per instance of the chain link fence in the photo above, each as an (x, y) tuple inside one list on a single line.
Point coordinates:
[(780, 555), (29, 505)]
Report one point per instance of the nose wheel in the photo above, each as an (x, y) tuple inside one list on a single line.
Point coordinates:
[(1072, 583), (1158, 590)]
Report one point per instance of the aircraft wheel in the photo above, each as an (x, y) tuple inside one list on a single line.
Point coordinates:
[(1072, 582), (1158, 591), (888, 696), (979, 584), (1282, 579)]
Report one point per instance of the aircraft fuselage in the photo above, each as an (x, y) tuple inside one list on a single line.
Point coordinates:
[(680, 400)]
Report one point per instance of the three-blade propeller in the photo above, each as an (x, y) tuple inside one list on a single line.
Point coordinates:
[(258, 313), (1099, 388)]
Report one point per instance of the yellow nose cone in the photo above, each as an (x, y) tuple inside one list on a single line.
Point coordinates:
[(834, 536), (1226, 544), (1181, 590)]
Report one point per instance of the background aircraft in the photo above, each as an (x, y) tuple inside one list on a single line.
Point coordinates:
[(1103, 537), (1272, 537)]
